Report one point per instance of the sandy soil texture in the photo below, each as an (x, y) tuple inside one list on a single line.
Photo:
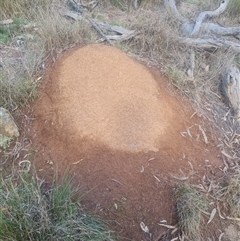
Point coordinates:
[(121, 130)]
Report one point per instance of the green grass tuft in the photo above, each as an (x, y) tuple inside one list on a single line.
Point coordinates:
[(8, 32), (27, 212), (190, 205)]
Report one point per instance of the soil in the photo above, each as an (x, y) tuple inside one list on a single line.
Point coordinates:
[(123, 133)]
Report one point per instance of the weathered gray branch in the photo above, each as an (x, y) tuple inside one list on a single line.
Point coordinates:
[(220, 30), (76, 16), (211, 28), (71, 14), (213, 31), (190, 28), (114, 28), (95, 25), (214, 13), (209, 42), (75, 6)]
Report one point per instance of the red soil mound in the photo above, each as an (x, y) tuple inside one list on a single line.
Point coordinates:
[(113, 122)]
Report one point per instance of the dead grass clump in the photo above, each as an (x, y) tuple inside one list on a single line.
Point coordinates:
[(229, 194), (22, 63), (190, 205), (126, 5), (156, 34), (18, 76), (13, 8), (57, 33), (16, 95), (122, 4)]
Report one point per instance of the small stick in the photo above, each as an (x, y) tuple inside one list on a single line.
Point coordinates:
[(94, 24), (114, 180)]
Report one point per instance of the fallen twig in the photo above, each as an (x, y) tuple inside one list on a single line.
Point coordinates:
[(75, 6), (95, 25), (114, 180), (167, 226)]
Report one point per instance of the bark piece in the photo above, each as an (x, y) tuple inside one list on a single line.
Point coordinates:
[(231, 89)]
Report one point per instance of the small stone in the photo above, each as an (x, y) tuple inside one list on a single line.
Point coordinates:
[(8, 128)]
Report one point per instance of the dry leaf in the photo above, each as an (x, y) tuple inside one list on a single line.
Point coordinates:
[(167, 226), (144, 227), (212, 215)]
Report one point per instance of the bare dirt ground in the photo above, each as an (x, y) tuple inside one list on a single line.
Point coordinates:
[(123, 133)]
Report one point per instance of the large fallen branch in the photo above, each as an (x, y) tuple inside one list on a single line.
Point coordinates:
[(210, 42), (75, 6), (202, 15), (78, 14), (219, 30), (207, 34), (203, 34)]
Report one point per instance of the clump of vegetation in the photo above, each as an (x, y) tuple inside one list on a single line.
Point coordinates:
[(12, 8), (15, 95), (33, 35), (174, 74), (234, 8), (57, 33), (29, 212), (7, 32), (229, 194), (190, 206)]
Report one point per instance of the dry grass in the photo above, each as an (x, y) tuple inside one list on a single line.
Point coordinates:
[(57, 33), (234, 8), (228, 193), (48, 33), (126, 5), (156, 34), (12, 8)]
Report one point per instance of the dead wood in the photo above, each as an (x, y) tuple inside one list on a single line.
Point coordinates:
[(95, 25), (71, 14), (100, 27), (204, 14), (211, 42), (75, 6), (205, 34), (231, 89)]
